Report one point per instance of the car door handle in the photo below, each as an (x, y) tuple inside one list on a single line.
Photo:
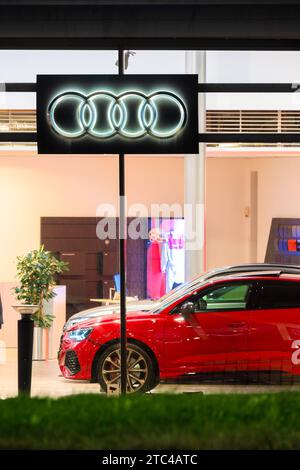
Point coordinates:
[(239, 324)]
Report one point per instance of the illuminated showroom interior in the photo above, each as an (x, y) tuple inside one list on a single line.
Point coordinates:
[(245, 186)]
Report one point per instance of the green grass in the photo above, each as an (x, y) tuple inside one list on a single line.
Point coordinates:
[(191, 421)]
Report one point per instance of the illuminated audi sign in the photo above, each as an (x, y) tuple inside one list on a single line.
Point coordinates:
[(117, 114), (103, 114)]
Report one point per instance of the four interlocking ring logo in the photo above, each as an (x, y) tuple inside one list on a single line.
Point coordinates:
[(103, 114)]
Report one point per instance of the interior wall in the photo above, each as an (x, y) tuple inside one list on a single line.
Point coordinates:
[(32, 187), (228, 195), (278, 194)]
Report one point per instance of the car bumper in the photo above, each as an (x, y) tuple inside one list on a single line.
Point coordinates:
[(75, 358)]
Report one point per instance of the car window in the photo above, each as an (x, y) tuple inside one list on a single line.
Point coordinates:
[(279, 295), (226, 297)]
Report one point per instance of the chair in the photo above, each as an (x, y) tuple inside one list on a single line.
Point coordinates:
[(117, 281)]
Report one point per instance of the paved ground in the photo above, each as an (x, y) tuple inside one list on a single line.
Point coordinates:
[(47, 381)]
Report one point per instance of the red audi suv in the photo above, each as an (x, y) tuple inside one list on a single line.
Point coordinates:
[(237, 322)]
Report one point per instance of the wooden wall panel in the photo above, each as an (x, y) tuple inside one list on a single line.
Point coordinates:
[(93, 262)]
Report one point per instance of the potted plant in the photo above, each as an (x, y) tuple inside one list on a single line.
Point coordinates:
[(37, 272)]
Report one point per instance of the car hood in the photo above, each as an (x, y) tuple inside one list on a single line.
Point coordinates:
[(108, 310), (109, 318)]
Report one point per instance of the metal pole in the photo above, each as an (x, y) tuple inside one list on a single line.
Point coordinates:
[(194, 179), (122, 237)]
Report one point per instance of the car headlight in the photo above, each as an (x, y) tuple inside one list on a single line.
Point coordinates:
[(80, 334)]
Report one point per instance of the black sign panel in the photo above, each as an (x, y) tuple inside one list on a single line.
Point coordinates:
[(117, 114), (284, 242)]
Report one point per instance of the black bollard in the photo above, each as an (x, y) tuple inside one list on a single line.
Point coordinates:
[(25, 347)]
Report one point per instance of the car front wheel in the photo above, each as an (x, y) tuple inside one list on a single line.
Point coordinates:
[(140, 370)]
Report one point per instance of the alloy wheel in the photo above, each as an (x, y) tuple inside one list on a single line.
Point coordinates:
[(137, 369)]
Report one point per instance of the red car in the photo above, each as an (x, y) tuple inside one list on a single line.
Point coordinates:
[(233, 323)]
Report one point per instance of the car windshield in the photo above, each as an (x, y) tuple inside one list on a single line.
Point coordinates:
[(177, 293)]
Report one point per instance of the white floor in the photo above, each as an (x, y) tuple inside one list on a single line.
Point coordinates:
[(47, 381)]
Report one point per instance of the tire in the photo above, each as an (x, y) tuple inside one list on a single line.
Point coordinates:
[(141, 379)]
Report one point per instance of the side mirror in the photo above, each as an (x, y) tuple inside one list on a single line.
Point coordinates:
[(202, 305), (187, 308)]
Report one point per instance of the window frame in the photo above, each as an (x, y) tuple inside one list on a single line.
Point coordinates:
[(206, 290)]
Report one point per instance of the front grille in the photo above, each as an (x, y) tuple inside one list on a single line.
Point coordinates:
[(71, 362)]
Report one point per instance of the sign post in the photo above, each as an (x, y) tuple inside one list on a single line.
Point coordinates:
[(122, 255)]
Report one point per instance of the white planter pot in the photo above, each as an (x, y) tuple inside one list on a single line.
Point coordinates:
[(38, 344), (25, 309)]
